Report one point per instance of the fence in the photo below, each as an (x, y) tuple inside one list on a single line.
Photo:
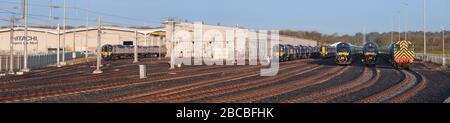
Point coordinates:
[(434, 58), (34, 61)]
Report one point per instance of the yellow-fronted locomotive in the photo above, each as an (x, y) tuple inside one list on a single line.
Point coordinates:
[(402, 54), (327, 51), (345, 52), (370, 53)]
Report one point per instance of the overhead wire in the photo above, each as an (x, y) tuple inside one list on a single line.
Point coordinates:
[(87, 10)]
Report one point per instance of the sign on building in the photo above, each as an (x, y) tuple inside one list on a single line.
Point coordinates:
[(21, 39)]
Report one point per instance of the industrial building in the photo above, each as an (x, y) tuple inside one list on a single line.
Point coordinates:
[(225, 35), (45, 39)]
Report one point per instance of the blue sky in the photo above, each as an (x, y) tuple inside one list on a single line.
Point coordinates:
[(327, 16)]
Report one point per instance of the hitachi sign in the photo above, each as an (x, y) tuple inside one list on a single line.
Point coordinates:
[(20, 39)]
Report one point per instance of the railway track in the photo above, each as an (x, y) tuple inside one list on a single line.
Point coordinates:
[(92, 88), (338, 92), (411, 84), (246, 85), (149, 96), (301, 81), (99, 77), (224, 89), (367, 77), (82, 76), (47, 73), (42, 74), (108, 85), (271, 91)]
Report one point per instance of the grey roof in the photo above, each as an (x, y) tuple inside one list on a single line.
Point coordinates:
[(54, 31)]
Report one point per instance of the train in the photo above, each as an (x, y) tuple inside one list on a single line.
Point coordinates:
[(345, 53), (282, 53), (327, 51), (370, 52), (290, 52), (401, 54), (113, 52)]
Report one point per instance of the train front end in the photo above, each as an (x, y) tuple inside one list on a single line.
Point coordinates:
[(323, 51), (370, 52), (402, 54), (343, 54), (282, 52), (107, 51)]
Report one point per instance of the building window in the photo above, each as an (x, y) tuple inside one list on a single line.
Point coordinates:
[(127, 42)]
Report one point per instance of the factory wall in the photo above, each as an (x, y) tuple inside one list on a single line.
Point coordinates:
[(241, 47), (44, 40)]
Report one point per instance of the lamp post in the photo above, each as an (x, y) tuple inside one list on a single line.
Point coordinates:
[(443, 47), (406, 20), (424, 30), (399, 27), (64, 36), (87, 34), (136, 47), (58, 64), (11, 47), (25, 42), (74, 54)]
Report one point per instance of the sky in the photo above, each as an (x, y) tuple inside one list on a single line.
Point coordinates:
[(326, 16)]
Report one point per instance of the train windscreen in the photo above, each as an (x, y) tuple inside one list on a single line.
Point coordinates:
[(343, 48)]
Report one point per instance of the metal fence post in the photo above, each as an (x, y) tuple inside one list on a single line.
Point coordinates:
[(18, 61), (6, 64), (40, 60), (1, 64), (31, 61)]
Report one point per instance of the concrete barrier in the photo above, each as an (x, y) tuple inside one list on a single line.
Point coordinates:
[(142, 71)]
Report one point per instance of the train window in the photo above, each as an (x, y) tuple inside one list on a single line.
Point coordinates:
[(53, 50), (107, 48), (371, 49), (411, 47), (396, 47), (343, 49)]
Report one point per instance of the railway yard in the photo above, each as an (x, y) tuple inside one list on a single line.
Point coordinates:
[(299, 81)]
